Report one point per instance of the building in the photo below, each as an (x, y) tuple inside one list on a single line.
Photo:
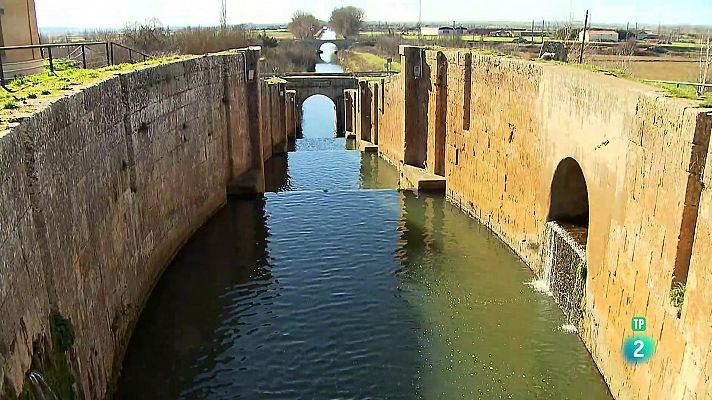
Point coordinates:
[(442, 30), (643, 34), (18, 27), (599, 36)]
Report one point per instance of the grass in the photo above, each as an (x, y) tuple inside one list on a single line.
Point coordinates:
[(682, 91), (677, 295), (279, 34), (686, 92), (27, 93), (359, 61)]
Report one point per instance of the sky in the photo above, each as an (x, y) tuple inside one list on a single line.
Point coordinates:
[(115, 14)]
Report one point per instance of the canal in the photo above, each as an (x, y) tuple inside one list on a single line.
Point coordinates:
[(336, 285)]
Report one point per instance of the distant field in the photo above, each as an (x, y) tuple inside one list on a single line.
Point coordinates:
[(673, 69), (278, 34), (361, 61)]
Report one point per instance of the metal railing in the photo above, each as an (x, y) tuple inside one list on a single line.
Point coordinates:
[(80, 47)]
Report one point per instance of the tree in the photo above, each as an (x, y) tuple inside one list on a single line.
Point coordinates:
[(346, 21), (304, 25)]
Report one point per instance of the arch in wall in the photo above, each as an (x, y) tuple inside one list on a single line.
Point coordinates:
[(317, 124), (333, 93), (328, 48), (569, 194), (565, 266)]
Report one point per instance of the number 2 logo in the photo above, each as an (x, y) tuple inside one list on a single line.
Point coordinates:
[(638, 349)]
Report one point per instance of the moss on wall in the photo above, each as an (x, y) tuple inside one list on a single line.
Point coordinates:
[(50, 374)]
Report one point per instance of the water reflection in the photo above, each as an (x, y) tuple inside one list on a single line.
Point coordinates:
[(484, 333), (200, 307)]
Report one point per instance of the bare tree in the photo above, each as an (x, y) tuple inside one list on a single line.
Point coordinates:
[(223, 14), (304, 25), (346, 21)]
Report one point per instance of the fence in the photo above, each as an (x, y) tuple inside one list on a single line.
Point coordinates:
[(88, 54)]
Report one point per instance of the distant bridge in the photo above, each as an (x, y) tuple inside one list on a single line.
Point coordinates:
[(331, 85), (341, 44)]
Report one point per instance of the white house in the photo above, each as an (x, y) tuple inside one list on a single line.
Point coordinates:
[(442, 30), (599, 36)]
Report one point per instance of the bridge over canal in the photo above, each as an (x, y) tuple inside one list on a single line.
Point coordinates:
[(331, 85)]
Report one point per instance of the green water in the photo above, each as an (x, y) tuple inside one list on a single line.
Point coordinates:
[(335, 285)]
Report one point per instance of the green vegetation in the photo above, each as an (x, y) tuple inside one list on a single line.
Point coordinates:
[(595, 68), (677, 295), (686, 92), (53, 364), (359, 61), (50, 85), (279, 34)]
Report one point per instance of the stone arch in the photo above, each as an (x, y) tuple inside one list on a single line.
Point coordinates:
[(321, 103), (569, 194), (565, 265), (335, 95)]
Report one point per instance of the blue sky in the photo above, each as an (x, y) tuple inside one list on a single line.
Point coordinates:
[(108, 14)]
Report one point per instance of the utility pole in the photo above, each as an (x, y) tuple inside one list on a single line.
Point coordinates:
[(583, 37), (627, 30), (532, 31), (223, 14), (420, 21)]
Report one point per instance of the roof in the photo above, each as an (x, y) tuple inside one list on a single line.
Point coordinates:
[(602, 32)]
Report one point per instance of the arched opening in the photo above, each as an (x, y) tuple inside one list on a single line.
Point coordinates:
[(327, 52), (318, 117), (569, 195), (330, 63), (565, 268)]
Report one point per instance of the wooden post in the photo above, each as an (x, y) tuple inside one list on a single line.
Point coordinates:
[(583, 37), (51, 61), (84, 58)]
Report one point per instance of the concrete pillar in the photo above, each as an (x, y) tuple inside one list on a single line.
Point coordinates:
[(416, 74)]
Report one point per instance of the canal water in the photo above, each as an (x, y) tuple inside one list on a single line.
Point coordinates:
[(334, 285)]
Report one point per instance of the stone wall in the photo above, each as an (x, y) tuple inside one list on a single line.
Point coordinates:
[(101, 188), (508, 124)]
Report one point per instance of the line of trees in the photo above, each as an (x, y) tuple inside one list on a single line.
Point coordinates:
[(345, 21)]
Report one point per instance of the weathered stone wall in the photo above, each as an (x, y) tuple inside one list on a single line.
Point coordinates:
[(98, 192), (391, 126), (642, 155)]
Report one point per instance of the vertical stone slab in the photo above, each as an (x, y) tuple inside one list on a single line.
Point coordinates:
[(375, 98), (417, 76), (363, 132), (340, 120), (279, 131), (242, 107), (349, 111), (291, 117)]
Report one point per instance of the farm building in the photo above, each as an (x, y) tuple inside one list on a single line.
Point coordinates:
[(18, 27), (599, 36), (442, 30)]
